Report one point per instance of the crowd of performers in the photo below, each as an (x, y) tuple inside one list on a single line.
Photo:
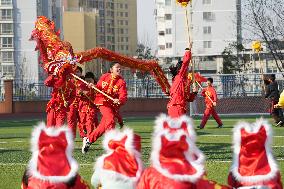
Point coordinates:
[(176, 161)]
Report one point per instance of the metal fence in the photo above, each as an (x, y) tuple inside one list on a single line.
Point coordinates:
[(227, 86)]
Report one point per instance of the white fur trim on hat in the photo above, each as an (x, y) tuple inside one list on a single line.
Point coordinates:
[(51, 131), (101, 175), (198, 165), (253, 128), (175, 123)]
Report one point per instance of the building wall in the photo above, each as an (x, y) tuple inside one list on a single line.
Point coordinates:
[(221, 20), (26, 58), (79, 28), (7, 60)]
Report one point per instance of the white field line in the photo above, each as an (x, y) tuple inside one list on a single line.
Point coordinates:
[(230, 136)]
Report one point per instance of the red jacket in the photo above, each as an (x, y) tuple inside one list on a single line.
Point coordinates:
[(34, 183), (152, 179), (209, 91), (63, 94), (114, 87), (274, 183), (87, 99), (180, 89)]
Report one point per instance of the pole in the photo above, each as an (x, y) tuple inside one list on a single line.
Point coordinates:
[(106, 95)]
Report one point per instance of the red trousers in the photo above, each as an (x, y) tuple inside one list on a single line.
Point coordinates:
[(210, 111), (87, 122), (176, 111), (55, 118), (107, 123), (72, 119)]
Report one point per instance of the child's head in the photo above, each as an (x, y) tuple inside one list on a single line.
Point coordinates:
[(90, 77), (175, 69), (78, 71), (115, 68), (209, 81), (272, 77)]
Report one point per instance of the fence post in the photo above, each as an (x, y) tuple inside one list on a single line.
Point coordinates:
[(7, 105)]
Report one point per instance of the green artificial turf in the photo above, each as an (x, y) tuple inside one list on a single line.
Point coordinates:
[(215, 143)]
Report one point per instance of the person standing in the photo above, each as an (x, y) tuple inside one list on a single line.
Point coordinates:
[(88, 118), (210, 97), (180, 89), (114, 86), (272, 93)]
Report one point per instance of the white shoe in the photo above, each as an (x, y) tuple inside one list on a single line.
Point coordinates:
[(86, 145)]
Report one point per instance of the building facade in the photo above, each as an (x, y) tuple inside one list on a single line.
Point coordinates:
[(214, 23), (116, 25)]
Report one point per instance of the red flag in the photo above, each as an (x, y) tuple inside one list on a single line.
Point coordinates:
[(198, 77)]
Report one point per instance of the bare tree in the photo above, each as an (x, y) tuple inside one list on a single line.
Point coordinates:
[(265, 20)]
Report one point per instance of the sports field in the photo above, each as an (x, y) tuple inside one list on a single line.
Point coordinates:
[(215, 143)]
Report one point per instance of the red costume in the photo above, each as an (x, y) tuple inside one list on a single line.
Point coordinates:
[(73, 113), (116, 88), (180, 90), (62, 103), (210, 110), (121, 166), (253, 163), (176, 161), (88, 118), (52, 165)]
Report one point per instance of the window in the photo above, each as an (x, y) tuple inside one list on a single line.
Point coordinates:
[(161, 33), (207, 30), (207, 44), (162, 47), (126, 14), (121, 14), (126, 22), (168, 16), (7, 56), (121, 31), (6, 2), (126, 39), (126, 47), (168, 2), (6, 28), (6, 42), (8, 69), (122, 47), (206, 2), (208, 16), (169, 31), (121, 5), (122, 39), (126, 6), (169, 45), (6, 14)]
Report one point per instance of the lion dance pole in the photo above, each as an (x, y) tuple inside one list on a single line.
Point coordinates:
[(188, 20)]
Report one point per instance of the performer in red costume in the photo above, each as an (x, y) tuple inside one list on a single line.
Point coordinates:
[(173, 164), (52, 165), (88, 118), (180, 89), (113, 85), (253, 163), (74, 98), (210, 96), (120, 167), (57, 106)]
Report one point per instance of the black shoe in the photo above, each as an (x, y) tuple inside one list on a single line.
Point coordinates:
[(220, 126), (280, 123), (86, 145), (199, 127)]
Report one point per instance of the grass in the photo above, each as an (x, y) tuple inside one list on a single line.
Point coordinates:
[(15, 137)]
